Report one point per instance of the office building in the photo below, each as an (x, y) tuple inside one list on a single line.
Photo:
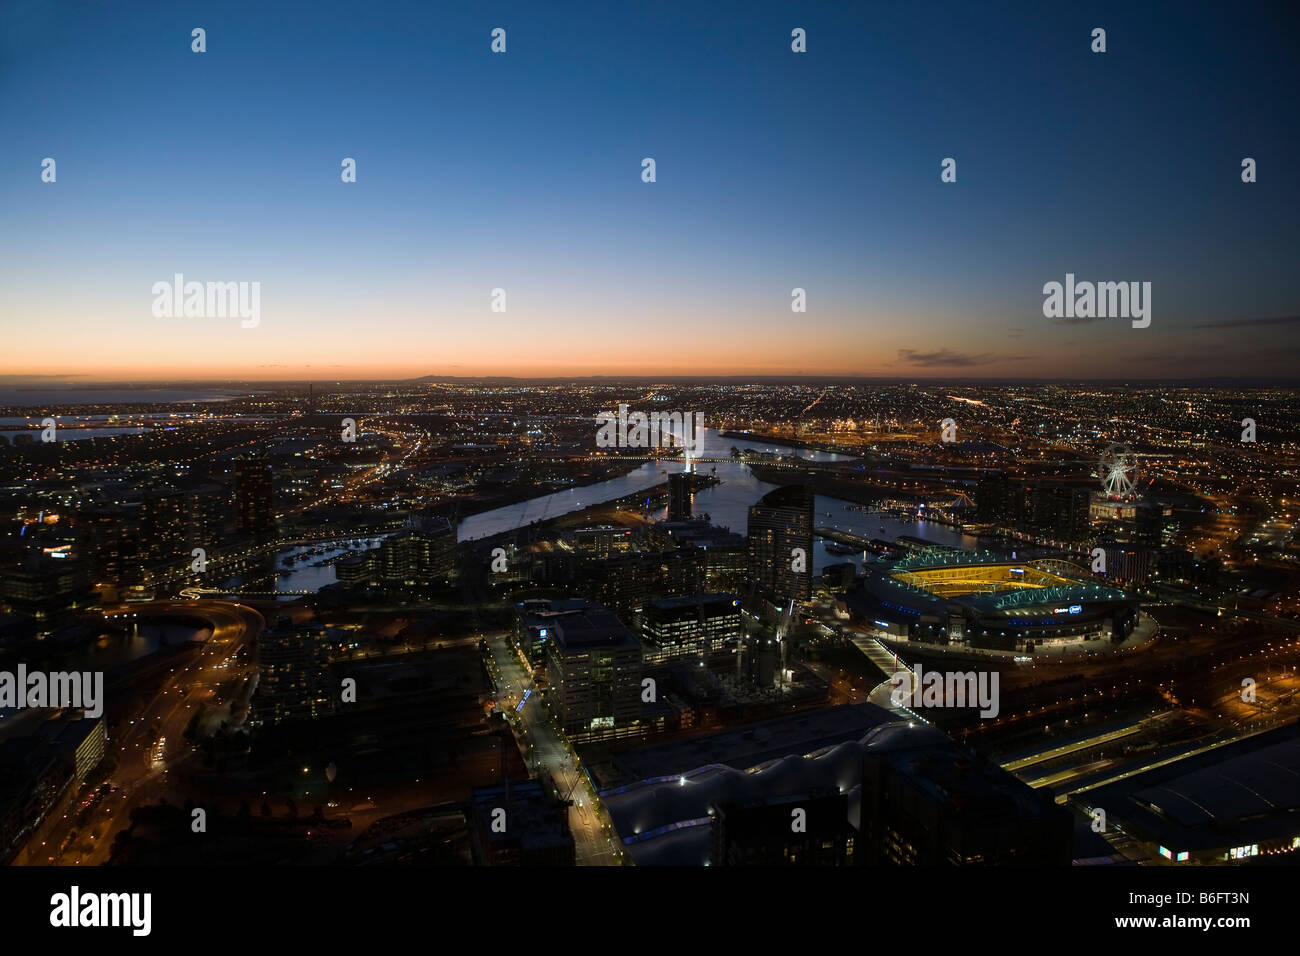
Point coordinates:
[(46, 588), (39, 766), (1060, 512), (601, 540), (1001, 500), (781, 542), (108, 544), (293, 683), (422, 553), (807, 830), (535, 622), (1148, 524), (693, 626), (173, 522), (594, 665), (679, 497), (626, 582), (254, 497), (928, 802)]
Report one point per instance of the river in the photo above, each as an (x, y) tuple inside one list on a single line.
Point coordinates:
[(111, 651), (727, 504)]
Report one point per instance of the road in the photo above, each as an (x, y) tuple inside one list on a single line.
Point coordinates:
[(544, 750), (887, 661), (154, 740)]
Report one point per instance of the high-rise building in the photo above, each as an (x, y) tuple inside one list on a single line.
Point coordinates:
[(1060, 512), (39, 764), (175, 521), (626, 582), (1128, 564), (1001, 500), (108, 544), (991, 498), (535, 621), (781, 543), (254, 497), (594, 665), (420, 553), (808, 830), (602, 540), (1148, 524), (926, 801), (45, 588), (679, 497), (692, 626), (725, 553), (761, 658), (293, 682), (1050, 509), (84, 740)]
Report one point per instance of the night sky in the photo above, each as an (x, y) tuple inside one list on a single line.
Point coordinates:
[(522, 171)]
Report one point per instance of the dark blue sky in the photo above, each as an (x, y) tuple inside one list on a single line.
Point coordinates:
[(522, 171)]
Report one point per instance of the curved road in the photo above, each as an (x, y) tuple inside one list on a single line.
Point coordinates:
[(143, 763)]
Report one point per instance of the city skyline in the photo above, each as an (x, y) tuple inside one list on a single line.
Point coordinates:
[(844, 596), (722, 437)]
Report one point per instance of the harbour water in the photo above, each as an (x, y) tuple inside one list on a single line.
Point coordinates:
[(108, 651), (647, 476), (55, 397), (74, 434), (302, 567), (727, 503), (310, 568)]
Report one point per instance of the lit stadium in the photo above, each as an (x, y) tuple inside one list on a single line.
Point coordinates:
[(981, 600)]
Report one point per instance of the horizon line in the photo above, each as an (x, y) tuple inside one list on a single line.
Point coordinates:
[(29, 382)]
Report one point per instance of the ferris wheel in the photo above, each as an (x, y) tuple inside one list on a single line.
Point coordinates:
[(1119, 471)]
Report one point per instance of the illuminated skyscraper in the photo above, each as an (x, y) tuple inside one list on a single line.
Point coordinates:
[(292, 682), (254, 499), (594, 663), (781, 541), (679, 497)]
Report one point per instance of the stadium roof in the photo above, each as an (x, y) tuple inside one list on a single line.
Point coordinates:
[(1243, 793), (665, 820), (911, 590)]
